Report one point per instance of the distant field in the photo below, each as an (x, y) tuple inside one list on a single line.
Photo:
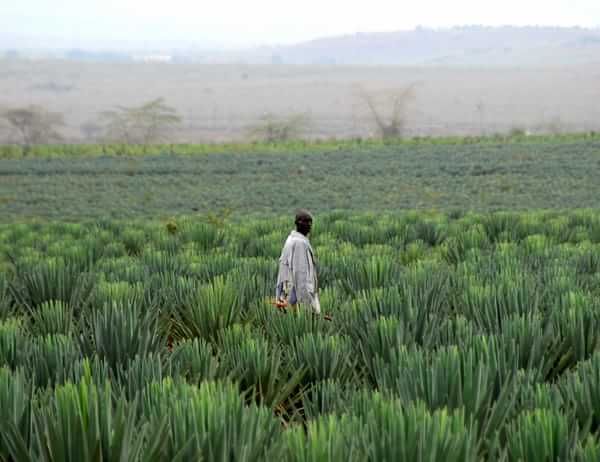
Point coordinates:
[(543, 173), (221, 102)]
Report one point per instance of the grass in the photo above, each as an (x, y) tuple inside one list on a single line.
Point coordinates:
[(263, 147)]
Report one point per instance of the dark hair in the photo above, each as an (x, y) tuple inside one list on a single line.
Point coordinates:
[(302, 214)]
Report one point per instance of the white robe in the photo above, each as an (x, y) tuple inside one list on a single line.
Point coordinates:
[(297, 277)]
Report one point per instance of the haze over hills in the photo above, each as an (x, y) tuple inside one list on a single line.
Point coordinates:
[(470, 45), (458, 46)]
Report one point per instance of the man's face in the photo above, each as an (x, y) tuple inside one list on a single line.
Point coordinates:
[(304, 225)]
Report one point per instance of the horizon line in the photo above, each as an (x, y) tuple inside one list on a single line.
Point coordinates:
[(208, 44)]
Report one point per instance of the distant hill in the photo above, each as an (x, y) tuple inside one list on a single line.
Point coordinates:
[(459, 46), (466, 46)]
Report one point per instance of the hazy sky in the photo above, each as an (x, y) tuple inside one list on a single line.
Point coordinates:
[(251, 22)]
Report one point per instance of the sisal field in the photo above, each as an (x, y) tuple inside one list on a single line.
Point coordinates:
[(454, 338), (462, 277)]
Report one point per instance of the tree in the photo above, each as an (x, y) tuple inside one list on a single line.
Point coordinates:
[(273, 128), (392, 127), (34, 124), (145, 124)]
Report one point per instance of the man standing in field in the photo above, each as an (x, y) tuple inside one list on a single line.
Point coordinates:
[(297, 278)]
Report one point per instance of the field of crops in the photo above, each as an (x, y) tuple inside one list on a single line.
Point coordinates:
[(71, 183), (454, 338)]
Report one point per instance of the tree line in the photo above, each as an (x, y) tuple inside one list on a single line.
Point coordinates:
[(154, 121), (145, 124)]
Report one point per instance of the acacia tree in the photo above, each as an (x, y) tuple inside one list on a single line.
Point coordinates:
[(279, 128), (145, 124), (392, 126), (34, 124)]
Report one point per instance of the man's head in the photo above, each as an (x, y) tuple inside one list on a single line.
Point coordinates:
[(303, 221)]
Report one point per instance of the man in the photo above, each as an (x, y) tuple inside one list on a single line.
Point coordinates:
[(297, 278)]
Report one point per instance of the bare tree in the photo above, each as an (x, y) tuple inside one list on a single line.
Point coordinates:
[(145, 124), (273, 128), (34, 124), (392, 126)]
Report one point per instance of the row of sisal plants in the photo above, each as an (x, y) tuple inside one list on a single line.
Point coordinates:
[(454, 337)]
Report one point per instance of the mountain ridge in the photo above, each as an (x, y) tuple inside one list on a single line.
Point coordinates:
[(464, 45), (470, 46)]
